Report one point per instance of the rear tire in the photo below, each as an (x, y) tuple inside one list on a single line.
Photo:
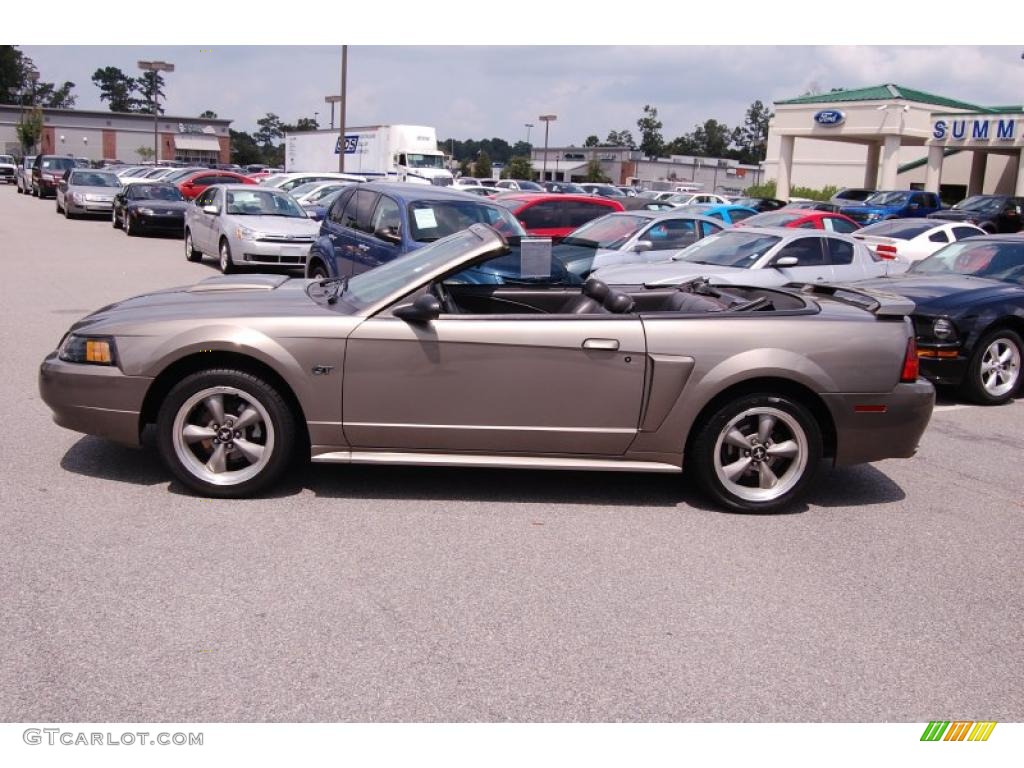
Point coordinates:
[(191, 254), (211, 405), (994, 372), (756, 453)]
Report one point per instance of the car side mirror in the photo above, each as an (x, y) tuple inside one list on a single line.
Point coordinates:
[(211, 209), (388, 234), (640, 246), (786, 261), (423, 310), (316, 215)]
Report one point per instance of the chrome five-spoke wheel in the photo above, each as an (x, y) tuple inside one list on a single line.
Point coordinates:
[(1000, 367), (760, 454)]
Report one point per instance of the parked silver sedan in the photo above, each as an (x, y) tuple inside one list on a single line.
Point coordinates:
[(84, 191), (244, 224)]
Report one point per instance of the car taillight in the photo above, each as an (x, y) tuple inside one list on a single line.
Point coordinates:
[(911, 367), (886, 251)]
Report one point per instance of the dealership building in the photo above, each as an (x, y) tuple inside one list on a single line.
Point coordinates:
[(98, 135), (893, 137)]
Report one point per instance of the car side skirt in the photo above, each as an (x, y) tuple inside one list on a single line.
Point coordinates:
[(491, 461)]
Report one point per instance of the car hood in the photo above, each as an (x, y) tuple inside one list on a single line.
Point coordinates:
[(939, 294), (862, 209), (678, 271), (229, 299), (160, 205), (278, 225), (951, 215), (108, 192)]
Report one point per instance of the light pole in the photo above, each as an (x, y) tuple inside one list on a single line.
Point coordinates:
[(547, 124), (332, 100), (315, 116), (154, 68), (341, 109), (528, 127)]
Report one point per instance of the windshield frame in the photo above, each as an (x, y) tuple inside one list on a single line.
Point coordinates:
[(574, 237), (255, 190)]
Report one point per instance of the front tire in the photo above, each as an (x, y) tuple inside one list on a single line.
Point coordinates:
[(113, 220), (191, 254), (317, 272), (756, 453), (227, 266), (994, 372), (226, 433), (128, 229)]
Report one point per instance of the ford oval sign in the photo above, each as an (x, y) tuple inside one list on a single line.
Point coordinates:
[(829, 117)]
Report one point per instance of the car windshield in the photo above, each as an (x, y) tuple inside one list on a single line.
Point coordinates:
[(431, 220), (58, 162), (994, 260), (529, 186), (9, 159), (373, 285), (303, 189), (729, 249), (154, 192), (425, 161), (93, 179), (900, 229), (324, 192), (773, 219), (888, 198), (611, 231), (981, 204), (326, 200), (262, 202)]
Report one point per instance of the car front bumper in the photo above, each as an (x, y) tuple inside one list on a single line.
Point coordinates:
[(158, 222), (270, 254), (88, 206), (94, 399), (876, 427), (947, 371)]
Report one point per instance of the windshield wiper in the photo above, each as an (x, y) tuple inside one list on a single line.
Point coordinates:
[(336, 285)]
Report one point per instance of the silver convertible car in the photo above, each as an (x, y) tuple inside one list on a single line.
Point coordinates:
[(749, 388)]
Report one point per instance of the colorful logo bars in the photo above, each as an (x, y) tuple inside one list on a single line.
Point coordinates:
[(959, 730)]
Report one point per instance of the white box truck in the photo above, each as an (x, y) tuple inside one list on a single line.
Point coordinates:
[(393, 152)]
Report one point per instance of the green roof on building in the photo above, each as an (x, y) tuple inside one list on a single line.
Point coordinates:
[(887, 92)]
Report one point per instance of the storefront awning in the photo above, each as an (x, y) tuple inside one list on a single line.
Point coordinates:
[(193, 142)]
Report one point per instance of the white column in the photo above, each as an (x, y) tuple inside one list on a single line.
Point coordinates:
[(871, 170), (782, 184), (933, 174), (1019, 190), (976, 183), (890, 162)]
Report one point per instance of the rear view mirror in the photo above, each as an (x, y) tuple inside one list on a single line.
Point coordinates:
[(786, 261), (642, 245), (423, 310)]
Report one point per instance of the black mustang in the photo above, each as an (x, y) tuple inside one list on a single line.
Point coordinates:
[(143, 207), (969, 316)]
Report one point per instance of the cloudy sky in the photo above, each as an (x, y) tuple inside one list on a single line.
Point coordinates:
[(476, 92)]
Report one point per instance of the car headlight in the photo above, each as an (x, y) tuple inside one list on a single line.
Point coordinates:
[(944, 330), (146, 211), (244, 233), (94, 350), (75, 197)]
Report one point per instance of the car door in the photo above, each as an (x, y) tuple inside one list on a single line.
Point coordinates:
[(332, 235), (353, 244), (840, 255), (383, 235), (811, 266), (202, 222), (669, 236), (495, 383)]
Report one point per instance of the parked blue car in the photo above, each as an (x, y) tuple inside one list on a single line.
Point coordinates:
[(896, 204), (373, 223), (728, 214)]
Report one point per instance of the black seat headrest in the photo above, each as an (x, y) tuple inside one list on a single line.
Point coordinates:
[(596, 289), (618, 303)]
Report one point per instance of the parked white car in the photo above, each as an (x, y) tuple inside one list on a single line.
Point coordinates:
[(8, 169), (759, 256), (695, 198), (23, 176), (288, 181), (905, 241), (466, 181)]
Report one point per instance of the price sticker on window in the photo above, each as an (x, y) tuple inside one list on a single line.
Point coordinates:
[(535, 257), (425, 218)]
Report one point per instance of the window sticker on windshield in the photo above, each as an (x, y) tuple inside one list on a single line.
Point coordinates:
[(425, 218), (535, 257)]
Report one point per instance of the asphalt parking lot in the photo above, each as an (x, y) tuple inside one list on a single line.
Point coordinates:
[(395, 594)]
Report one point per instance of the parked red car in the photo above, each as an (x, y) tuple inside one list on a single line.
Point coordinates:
[(193, 184), (555, 215), (801, 218)]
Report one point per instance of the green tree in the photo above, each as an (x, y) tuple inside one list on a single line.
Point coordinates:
[(465, 168), (712, 139), (594, 172), (751, 139), (57, 98), (244, 149), (620, 139), (518, 167), (592, 141), (20, 83), (116, 88), (269, 130), (651, 142), (29, 129), (521, 148), (306, 124), (483, 168), (145, 153), (209, 114), (682, 145), (146, 85)]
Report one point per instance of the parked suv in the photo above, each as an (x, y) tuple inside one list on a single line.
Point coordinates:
[(373, 223), (996, 214), (23, 175), (894, 204), (47, 172), (8, 169)]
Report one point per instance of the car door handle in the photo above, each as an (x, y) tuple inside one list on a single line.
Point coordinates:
[(363, 247), (608, 344)]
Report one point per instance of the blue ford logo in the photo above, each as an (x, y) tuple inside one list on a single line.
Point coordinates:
[(829, 117)]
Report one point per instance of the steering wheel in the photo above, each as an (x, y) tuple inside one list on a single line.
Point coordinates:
[(447, 303)]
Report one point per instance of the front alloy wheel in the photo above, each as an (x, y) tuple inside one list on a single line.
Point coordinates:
[(225, 433), (757, 453), (191, 254), (227, 266), (994, 370)]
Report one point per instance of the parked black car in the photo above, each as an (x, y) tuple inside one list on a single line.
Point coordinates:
[(47, 173), (969, 315), (144, 207), (815, 205), (760, 204), (996, 214)]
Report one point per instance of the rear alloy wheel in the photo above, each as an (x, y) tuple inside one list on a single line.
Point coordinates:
[(225, 433), (191, 254), (756, 453), (227, 266), (113, 220), (993, 374)]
